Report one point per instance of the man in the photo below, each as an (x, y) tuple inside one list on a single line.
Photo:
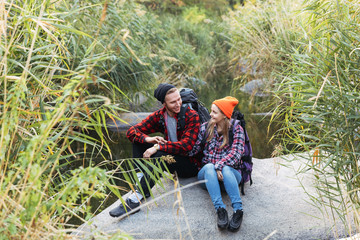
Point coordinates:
[(176, 142)]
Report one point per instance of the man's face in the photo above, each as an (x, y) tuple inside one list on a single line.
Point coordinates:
[(173, 103)]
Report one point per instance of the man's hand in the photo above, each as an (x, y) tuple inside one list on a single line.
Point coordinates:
[(149, 152), (219, 175), (156, 139)]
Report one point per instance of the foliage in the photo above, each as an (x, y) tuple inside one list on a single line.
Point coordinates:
[(310, 53), (196, 50), (171, 48), (124, 32), (176, 7), (50, 115), (319, 102), (262, 33), (194, 15)]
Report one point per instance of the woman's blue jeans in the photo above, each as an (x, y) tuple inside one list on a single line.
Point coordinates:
[(231, 180)]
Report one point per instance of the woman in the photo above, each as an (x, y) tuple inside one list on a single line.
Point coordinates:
[(221, 162)]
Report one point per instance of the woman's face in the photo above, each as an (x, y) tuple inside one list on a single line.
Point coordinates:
[(216, 115)]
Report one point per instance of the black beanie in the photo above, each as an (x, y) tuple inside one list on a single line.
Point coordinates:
[(161, 90)]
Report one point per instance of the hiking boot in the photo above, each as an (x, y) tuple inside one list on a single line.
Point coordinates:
[(121, 209), (236, 221), (223, 219)]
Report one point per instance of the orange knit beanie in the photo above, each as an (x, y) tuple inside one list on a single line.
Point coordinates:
[(226, 105)]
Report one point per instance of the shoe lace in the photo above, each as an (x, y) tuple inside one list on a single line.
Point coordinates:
[(221, 213)]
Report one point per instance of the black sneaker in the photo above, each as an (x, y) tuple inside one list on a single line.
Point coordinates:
[(223, 219), (121, 210), (236, 221)]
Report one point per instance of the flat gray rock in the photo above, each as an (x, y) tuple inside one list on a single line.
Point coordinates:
[(127, 120), (275, 207), (255, 87)]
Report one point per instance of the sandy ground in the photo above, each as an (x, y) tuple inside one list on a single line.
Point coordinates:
[(275, 207)]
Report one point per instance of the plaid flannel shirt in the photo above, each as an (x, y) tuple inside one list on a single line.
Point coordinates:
[(227, 156), (152, 124)]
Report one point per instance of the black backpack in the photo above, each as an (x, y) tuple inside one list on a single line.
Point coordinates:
[(246, 164), (190, 99)]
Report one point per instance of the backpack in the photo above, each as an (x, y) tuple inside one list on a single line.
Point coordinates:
[(246, 163), (190, 99)]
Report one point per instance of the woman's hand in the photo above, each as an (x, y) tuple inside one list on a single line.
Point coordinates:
[(219, 175), (156, 139)]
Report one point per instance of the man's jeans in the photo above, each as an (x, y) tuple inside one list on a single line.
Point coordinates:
[(182, 166), (231, 181)]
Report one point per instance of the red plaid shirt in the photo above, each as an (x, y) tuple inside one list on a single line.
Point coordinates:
[(152, 124)]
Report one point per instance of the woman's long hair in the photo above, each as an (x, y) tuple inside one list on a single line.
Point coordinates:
[(225, 131)]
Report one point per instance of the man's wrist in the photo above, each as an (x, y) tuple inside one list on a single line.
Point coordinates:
[(157, 147)]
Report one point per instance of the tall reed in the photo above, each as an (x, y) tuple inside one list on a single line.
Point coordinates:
[(48, 106), (262, 34), (309, 52), (319, 102)]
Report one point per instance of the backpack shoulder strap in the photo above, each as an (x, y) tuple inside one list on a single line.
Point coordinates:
[(181, 116), (162, 122), (203, 141), (233, 125)]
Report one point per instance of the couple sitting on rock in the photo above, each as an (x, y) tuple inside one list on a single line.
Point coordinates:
[(220, 162)]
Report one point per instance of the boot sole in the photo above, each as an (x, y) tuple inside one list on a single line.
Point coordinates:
[(222, 227), (234, 229)]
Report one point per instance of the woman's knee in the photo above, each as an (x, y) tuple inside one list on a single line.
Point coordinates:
[(227, 170), (209, 167), (205, 170), (209, 170)]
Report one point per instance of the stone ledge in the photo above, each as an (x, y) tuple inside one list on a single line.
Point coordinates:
[(275, 207)]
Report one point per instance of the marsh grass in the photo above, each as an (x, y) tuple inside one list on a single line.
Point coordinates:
[(65, 68), (262, 33), (319, 103), (309, 52), (51, 80)]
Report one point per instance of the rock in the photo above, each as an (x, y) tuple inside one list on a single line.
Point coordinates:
[(194, 83), (255, 87), (276, 207), (127, 120)]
